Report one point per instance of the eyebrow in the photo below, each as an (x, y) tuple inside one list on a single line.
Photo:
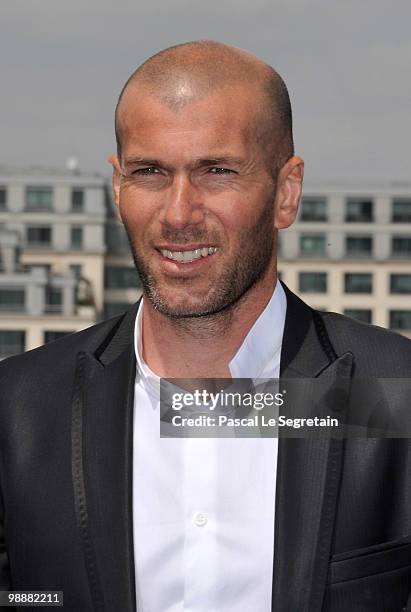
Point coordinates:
[(142, 160), (219, 160), (199, 162)]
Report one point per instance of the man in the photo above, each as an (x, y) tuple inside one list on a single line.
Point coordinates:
[(93, 502)]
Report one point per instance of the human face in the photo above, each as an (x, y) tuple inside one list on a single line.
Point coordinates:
[(197, 201)]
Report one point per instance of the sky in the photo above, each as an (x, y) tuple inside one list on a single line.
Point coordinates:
[(347, 66)]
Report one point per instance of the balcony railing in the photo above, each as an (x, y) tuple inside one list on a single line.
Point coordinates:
[(11, 350), (53, 308), (12, 308), (313, 217), (38, 208), (312, 254), (359, 254), (38, 245), (359, 218)]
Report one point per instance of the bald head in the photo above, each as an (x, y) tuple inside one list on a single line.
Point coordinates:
[(191, 71)]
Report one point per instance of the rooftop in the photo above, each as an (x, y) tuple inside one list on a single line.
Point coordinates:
[(41, 173)]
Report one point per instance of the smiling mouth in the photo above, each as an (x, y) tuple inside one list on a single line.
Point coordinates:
[(187, 256)]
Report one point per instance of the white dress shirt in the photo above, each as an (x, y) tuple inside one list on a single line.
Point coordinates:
[(203, 508)]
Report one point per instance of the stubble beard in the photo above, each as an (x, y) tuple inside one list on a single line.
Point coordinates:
[(242, 273)]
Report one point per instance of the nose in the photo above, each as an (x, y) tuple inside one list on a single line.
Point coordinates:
[(183, 205)]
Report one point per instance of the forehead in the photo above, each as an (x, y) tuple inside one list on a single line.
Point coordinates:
[(225, 117)]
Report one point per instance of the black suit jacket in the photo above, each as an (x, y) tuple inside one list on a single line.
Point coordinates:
[(342, 520)]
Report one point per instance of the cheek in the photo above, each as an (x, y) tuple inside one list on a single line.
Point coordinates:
[(137, 216), (248, 228), (239, 220)]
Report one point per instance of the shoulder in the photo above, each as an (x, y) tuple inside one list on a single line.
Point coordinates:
[(377, 351), (54, 361)]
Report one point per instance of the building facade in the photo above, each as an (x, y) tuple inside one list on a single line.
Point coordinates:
[(350, 252), (122, 286), (52, 249)]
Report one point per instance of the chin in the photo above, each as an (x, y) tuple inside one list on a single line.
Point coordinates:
[(186, 307), (180, 310)]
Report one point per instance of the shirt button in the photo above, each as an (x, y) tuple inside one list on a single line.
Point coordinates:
[(200, 519)]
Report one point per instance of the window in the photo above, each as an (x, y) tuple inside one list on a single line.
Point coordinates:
[(12, 300), (360, 314), (54, 299), (401, 246), (313, 209), (401, 210), (50, 336), (358, 283), (312, 282), (77, 237), (39, 198), (41, 266), (112, 309), (75, 269), (39, 236), (116, 238), (77, 200), (358, 246), (3, 198), (400, 283), (312, 244), (11, 342), (400, 319), (359, 210), (121, 277)]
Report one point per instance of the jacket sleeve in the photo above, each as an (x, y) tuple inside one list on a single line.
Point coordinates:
[(5, 582), (5, 578)]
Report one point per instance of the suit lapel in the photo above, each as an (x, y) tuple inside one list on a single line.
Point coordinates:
[(102, 430), (308, 472)]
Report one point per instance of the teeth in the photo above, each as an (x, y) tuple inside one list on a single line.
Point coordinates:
[(189, 256), (186, 256)]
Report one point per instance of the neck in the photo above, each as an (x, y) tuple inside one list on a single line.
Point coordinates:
[(201, 347)]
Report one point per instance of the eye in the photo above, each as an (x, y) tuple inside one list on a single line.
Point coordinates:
[(146, 171), (221, 171)]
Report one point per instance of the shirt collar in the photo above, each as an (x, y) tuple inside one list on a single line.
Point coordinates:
[(144, 374), (263, 342), (259, 348)]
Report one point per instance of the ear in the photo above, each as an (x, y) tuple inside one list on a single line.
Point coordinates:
[(116, 178), (288, 194)]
